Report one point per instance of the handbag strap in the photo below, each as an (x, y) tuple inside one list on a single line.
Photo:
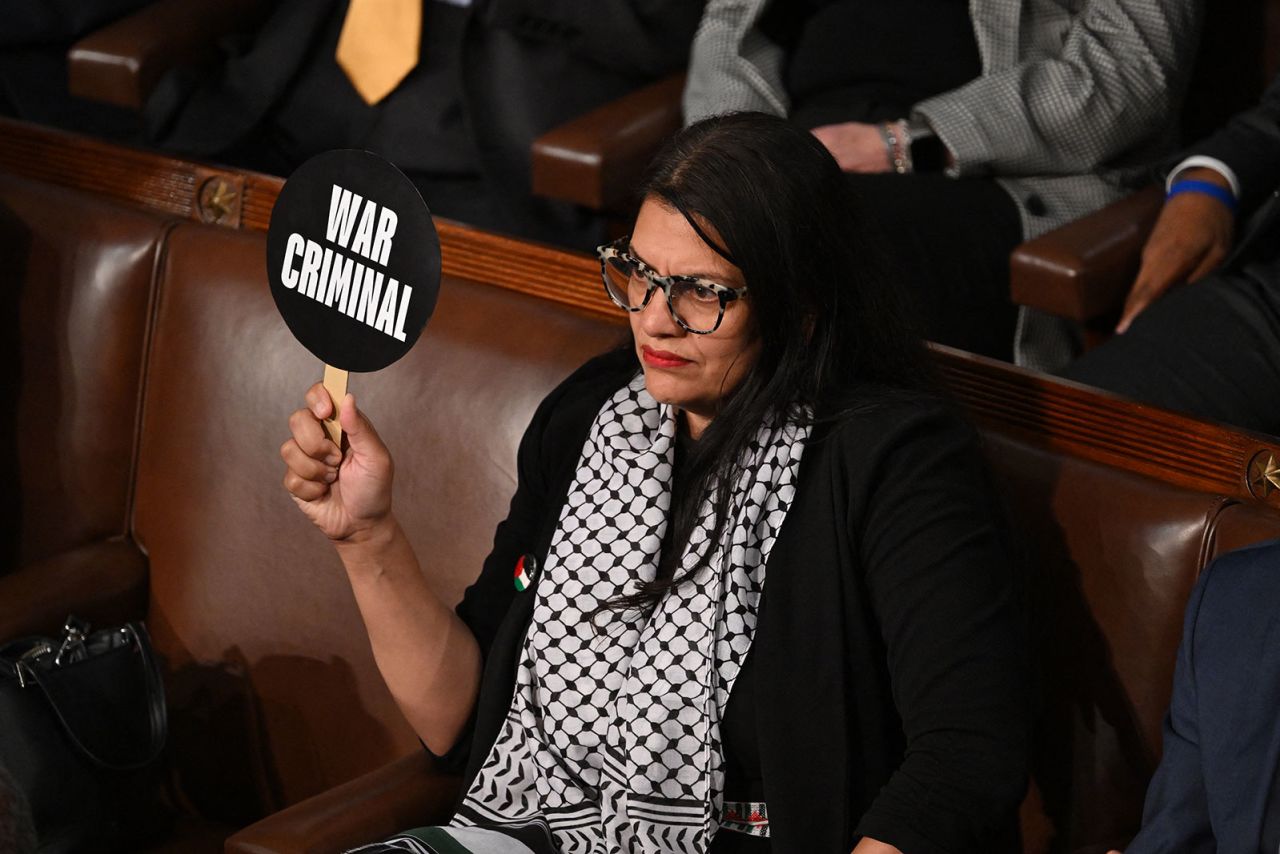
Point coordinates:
[(157, 712)]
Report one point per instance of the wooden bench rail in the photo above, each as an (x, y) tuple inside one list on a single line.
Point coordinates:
[(240, 199), (1063, 416), (1095, 425)]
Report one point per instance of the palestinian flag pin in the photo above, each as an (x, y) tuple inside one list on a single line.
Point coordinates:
[(526, 569)]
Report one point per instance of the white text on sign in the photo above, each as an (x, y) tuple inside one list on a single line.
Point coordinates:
[(326, 275)]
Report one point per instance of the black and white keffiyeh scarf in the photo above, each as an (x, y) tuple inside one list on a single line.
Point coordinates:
[(613, 737)]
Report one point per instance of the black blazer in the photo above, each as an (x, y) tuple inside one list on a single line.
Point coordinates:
[(530, 65), (1215, 788), (890, 679), (493, 77)]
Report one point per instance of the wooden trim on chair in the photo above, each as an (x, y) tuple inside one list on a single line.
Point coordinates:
[(1095, 425), (241, 199), (162, 184), (1059, 415)]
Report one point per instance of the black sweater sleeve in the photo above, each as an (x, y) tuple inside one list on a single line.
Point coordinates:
[(940, 585)]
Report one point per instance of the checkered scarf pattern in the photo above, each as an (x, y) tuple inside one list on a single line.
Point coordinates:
[(613, 737)]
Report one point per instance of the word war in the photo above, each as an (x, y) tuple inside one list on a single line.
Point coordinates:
[(340, 281), (353, 260)]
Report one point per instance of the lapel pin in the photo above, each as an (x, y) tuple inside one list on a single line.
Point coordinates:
[(526, 569)]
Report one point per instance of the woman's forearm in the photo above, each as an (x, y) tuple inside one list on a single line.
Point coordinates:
[(428, 657)]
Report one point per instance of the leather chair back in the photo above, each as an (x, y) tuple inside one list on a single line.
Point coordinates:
[(1109, 559), (78, 273), (274, 693)]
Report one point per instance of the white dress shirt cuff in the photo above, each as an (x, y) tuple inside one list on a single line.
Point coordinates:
[(1208, 163)]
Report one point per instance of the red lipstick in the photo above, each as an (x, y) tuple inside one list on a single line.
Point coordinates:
[(662, 358)]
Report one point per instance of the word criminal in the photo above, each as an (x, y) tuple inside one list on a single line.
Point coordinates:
[(332, 277)]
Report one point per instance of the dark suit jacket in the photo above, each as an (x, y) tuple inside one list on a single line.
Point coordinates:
[(492, 78), (57, 22), (1250, 145), (1215, 785)]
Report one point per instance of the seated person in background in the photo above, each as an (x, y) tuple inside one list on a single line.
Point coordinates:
[(1033, 106), (654, 691), (1200, 332), (481, 81), (1215, 789)]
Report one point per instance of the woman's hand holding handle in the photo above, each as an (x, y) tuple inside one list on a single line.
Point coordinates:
[(347, 496), (427, 655), (1191, 238)]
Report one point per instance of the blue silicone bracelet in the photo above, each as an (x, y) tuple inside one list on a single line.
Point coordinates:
[(1207, 188)]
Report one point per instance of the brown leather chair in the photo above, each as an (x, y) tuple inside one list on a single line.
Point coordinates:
[(273, 693), (73, 387), (248, 604), (277, 707)]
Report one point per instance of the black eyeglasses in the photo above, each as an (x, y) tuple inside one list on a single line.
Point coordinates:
[(696, 304)]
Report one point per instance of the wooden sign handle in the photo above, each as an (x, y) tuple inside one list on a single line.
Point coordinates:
[(335, 382)]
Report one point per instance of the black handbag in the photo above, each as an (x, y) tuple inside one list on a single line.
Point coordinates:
[(83, 723)]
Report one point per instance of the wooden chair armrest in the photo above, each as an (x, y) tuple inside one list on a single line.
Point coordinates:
[(1084, 269), (409, 792), (121, 63), (597, 159), (104, 583)]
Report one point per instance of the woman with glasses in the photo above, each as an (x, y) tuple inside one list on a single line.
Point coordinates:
[(760, 602)]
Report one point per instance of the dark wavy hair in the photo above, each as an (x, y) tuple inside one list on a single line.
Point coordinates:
[(826, 310)]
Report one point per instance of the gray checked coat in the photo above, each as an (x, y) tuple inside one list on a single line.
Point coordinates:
[(1074, 97)]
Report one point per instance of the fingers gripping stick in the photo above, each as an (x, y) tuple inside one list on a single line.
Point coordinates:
[(335, 382)]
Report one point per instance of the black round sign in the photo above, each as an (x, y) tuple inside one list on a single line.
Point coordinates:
[(353, 260)]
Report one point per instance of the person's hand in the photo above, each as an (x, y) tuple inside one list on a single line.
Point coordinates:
[(344, 497), (1191, 237), (857, 147)]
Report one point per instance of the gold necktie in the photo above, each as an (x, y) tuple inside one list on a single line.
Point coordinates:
[(379, 45)]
